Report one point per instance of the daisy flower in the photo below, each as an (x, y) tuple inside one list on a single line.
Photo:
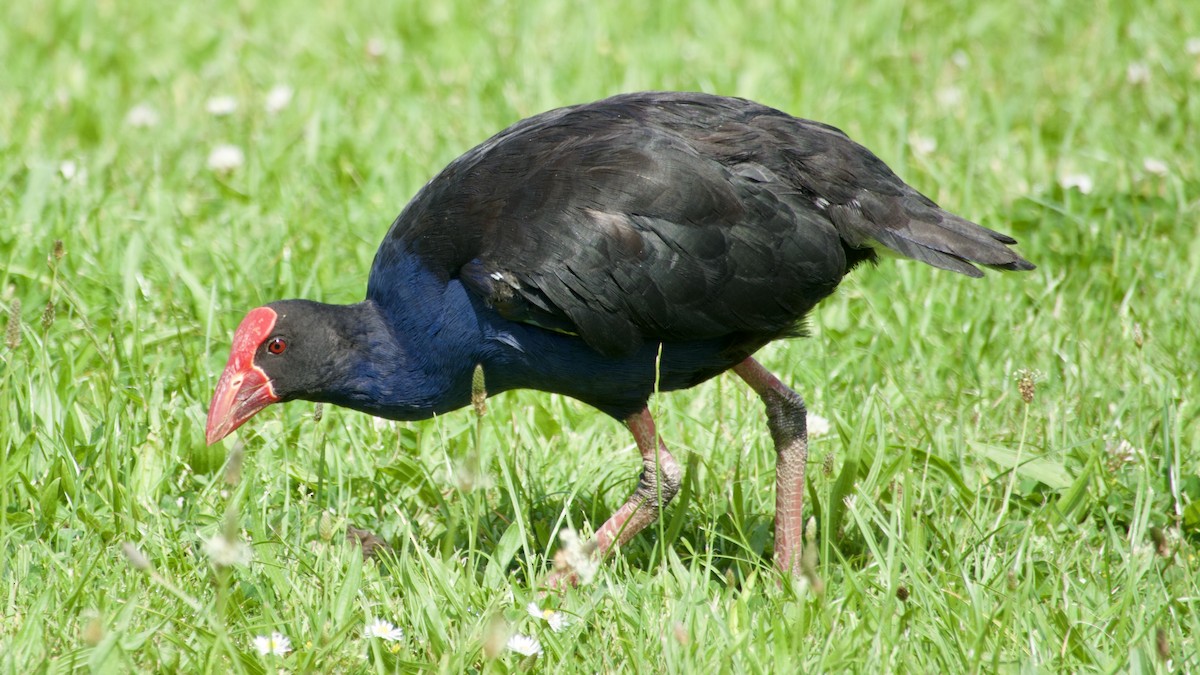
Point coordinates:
[(384, 630), (276, 643), (556, 619), (525, 645)]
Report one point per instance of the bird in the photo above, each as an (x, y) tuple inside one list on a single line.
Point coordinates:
[(608, 251)]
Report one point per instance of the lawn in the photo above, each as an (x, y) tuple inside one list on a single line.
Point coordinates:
[(1010, 481)]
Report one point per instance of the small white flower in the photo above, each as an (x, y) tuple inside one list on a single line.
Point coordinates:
[(384, 630), (576, 556), (221, 105), (556, 619), (1192, 46), (225, 553), (524, 645), (1121, 452), (275, 643), (1155, 166), (960, 59), (278, 98), (226, 158), (375, 47), (68, 168), (949, 97), (141, 116), (817, 425), (1079, 181), (922, 145), (1137, 73)]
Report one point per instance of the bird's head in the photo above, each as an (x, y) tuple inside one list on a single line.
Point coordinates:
[(280, 352)]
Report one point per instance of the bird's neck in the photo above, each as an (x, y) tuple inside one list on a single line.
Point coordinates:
[(418, 348), (397, 367)]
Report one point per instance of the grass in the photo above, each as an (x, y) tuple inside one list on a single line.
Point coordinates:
[(961, 527)]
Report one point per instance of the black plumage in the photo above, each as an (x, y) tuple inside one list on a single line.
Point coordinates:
[(672, 216)]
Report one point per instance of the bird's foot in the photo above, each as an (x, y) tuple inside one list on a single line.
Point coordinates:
[(370, 542)]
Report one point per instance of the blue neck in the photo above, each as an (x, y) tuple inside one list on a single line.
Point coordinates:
[(426, 346), (438, 332)]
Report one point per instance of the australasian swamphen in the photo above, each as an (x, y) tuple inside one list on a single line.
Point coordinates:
[(646, 242)]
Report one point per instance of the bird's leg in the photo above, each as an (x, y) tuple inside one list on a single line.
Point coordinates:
[(786, 418), (658, 484)]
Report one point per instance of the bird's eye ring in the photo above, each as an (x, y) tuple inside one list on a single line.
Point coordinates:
[(277, 345)]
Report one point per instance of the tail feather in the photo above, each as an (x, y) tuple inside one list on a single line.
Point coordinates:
[(914, 226)]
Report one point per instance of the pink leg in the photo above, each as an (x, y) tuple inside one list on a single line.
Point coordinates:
[(660, 480), (658, 484), (786, 418)]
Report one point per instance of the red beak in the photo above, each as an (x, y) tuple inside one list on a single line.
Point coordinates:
[(240, 394), (244, 388)]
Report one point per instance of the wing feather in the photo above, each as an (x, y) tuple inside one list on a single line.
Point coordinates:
[(672, 217)]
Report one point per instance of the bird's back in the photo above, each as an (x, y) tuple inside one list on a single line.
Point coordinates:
[(670, 217)]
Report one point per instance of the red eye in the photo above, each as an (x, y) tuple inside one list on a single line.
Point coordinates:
[(277, 345)]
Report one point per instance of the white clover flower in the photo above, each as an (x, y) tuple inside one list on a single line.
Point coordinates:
[(225, 553), (556, 619), (384, 630), (1137, 73), (922, 145), (949, 97), (1078, 181), (817, 425), (141, 116), (524, 645), (68, 169), (1156, 166), (278, 98), (276, 643), (221, 105), (576, 557), (226, 158), (375, 47), (1121, 452)]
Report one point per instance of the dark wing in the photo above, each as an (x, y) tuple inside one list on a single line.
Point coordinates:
[(604, 222), (668, 217), (869, 203)]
